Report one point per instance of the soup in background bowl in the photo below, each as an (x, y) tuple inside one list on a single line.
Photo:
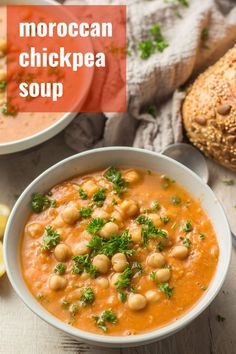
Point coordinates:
[(116, 263), (22, 130)]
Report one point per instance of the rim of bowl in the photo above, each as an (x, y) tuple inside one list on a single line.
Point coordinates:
[(139, 339), (14, 145)]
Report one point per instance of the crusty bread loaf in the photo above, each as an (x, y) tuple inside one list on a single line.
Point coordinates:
[(209, 111)]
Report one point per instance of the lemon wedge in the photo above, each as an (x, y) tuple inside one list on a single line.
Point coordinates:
[(4, 213), (2, 265)]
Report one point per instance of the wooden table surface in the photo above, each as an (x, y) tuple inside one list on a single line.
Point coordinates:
[(23, 332)]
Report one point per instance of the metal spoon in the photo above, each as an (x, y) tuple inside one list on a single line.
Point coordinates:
[(194, 160)]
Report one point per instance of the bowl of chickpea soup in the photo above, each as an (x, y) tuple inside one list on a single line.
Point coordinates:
[(23, 130), (117, 246)]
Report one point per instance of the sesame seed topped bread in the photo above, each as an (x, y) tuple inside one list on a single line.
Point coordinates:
[(209, 111)]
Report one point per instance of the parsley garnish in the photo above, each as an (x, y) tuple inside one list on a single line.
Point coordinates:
[(202, 236), (50, 239), (109, 247), (119, 183), (228, 182), (3, 85), (176, 200), (149, 230), (95, 225), (152, 110), (165, 219), (186, 241), (106, 316), (220, 318), (187, 227), (157, 42), (124, 279), (40, 202), (60, 269), (86, 212), (122, 296), (99, 197), (155, 206), (82, 194), (83, 264), (160, 246), (87, 296), (8, 109), (166, 182), (166, 289), (153, 276)]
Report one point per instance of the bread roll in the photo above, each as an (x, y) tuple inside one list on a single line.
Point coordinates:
[(209, 111)]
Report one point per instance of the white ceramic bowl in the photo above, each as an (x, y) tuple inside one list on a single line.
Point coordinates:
[(99, 159), (59, 125)]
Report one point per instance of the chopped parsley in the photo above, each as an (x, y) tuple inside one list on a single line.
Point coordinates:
[(153, 276), (220, 318), (106, 316), (95, 225), (74, 309), (149, 230), (155, 206), (124, 280), (82, 194), (114, 202), (202, 235), (165, 219), (86, 212), (83, 264), (122, 296), (109, 247), (50, 239), (99, 197), (137, 268), (87, 297), (186, 241), (166, 182), (160, 246), (8, 109), (152, 110), (187, 226), (166, 289), (205, 34), (175, 200), (119, 183), (3, 85), (60, 269), (155, 42), (228, 182), (40, 202)]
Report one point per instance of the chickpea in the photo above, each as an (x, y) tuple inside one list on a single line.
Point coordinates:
[(136, 235), (85, 235), (136, 302), (99, 213), (81, 248), (119, 262), (57, 282), (129, 207), (34, 230), (115, 278), (152, 296), (132, 176), (62, 252), (3, 75), (103, 282), (101, 263), (180, 252), (163, 275), (70, 214), (90, 187), (118, 216), (155, 219), (3, 45), (108, 229), (156, 260)]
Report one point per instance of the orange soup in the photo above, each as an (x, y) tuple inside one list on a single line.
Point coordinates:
[(14, 125), (121, 251)]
